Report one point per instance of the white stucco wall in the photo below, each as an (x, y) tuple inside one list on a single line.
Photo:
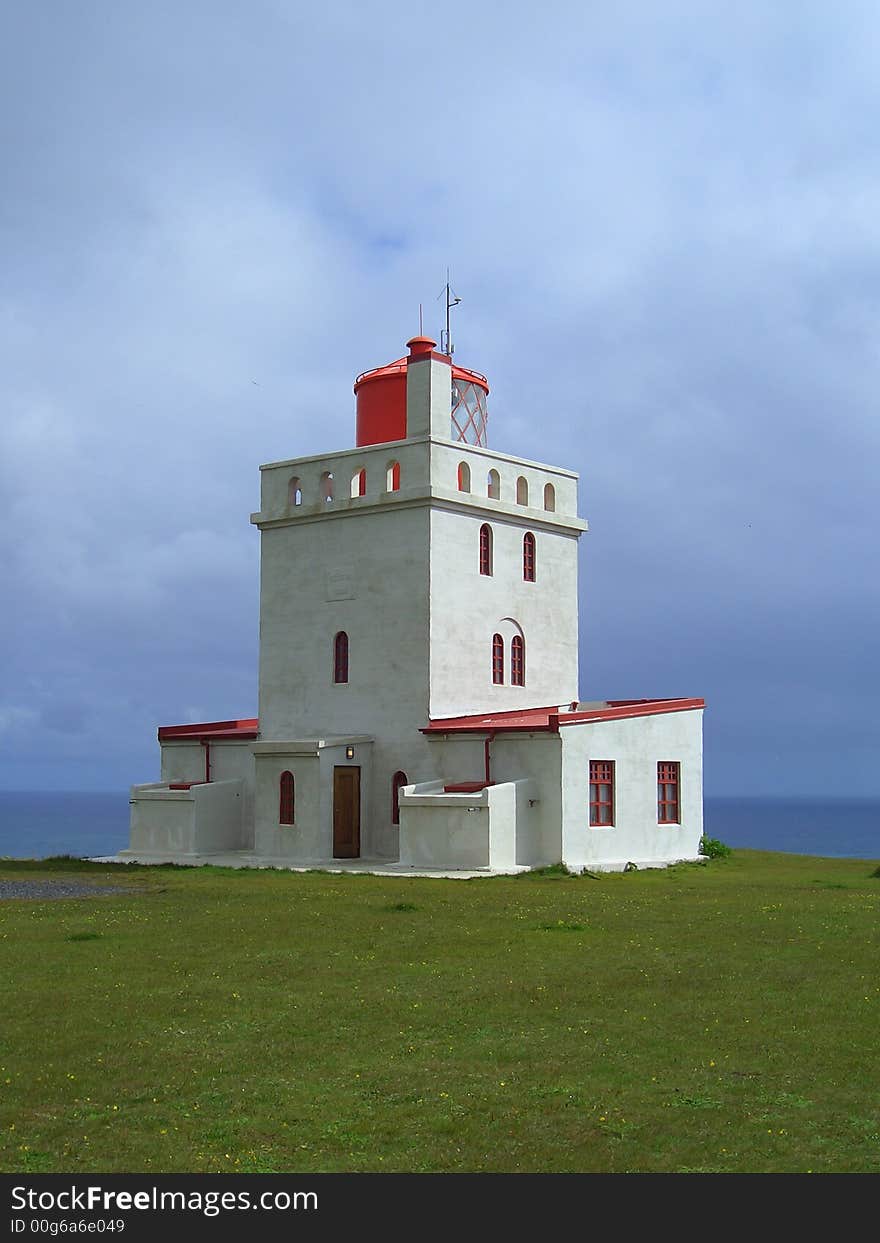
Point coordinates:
[(636, 746), (538, 758), (304, 839), (162, 821), (520, 758), (230, 760), (464, 831), (311, 761), (446, 456), (366, 575), (219, 825), (468, 607), (206, 819)]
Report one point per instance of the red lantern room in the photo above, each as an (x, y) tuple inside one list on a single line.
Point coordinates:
[(381, 399)]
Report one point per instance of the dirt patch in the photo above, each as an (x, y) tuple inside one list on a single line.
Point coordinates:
[(40, 890)]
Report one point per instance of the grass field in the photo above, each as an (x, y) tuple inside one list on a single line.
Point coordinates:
[(716, 1017)]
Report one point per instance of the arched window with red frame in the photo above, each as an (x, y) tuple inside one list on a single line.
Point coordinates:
[(340, 658), (528, 557), (397, 782), (497, 660), (286, 799), (517, 661), (486, 549)]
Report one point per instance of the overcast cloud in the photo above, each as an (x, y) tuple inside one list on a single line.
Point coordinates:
[(664, 221)]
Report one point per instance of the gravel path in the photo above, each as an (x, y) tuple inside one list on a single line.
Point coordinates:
[(42, 889)]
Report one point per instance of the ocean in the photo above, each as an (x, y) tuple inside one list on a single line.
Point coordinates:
[(36, 825)]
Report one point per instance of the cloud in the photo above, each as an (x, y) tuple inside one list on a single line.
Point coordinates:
[(664, 226)]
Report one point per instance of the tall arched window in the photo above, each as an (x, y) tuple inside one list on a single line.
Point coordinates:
[(294, 492), (464, 477), (392, 477), (327, 486), (493, 485), (485, 549), (397, 781), (497, 660), (522, 490), (286, 803), (340, 657), (517, 661), (549, 498), (528, 557), (359, 482)]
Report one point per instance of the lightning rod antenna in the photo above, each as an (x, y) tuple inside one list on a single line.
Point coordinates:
[(452, 299)]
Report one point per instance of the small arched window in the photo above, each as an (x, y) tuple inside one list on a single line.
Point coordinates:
[(392, 477), (517, 661), (549, 498), (493, 485), (485, 549), (397, 781), (340, 658), (359, 482), (497, 660), (294, 492), (464, 477), (327, 486), (286, 800), (522, 490), (528, 557)]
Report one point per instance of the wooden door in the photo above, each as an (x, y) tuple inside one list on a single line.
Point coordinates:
[(346, 812)]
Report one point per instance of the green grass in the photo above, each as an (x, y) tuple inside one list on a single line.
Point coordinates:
[(709, 1017)]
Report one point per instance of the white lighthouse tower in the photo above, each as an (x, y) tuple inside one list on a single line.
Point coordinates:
[(418, 681)]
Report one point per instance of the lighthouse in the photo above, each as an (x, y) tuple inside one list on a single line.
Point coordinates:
[(419, 701)]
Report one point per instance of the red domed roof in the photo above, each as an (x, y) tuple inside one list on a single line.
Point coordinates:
[(381, 393)]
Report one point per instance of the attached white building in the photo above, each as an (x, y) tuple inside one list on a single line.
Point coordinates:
[(418, 683)]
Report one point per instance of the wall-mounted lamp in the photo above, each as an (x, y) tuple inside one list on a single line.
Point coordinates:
[(349, 753)]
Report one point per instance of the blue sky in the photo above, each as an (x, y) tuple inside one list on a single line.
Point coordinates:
[(664, 221)]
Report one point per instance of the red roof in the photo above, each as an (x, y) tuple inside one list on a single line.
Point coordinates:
[(548, 720), (244, 730), (399, 367)]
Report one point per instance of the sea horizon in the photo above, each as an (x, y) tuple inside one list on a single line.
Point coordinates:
[(38, 824)]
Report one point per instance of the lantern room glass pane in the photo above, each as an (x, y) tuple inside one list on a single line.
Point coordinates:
[(469, 413)]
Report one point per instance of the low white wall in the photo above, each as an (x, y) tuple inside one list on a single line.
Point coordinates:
[(448, 831), (636, 746), (218, 817), (162, 821), (206, 819), (514, 758), (462, 832)]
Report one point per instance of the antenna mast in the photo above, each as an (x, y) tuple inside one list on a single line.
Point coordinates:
[(452, 299)]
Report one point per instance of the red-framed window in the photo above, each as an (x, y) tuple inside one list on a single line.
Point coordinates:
[(528, 557), (398, 780), (517, 661), (485, 549), (361, 483), (602, 792), (286, 800), (668, 802), (340, 657), (497, 660)]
